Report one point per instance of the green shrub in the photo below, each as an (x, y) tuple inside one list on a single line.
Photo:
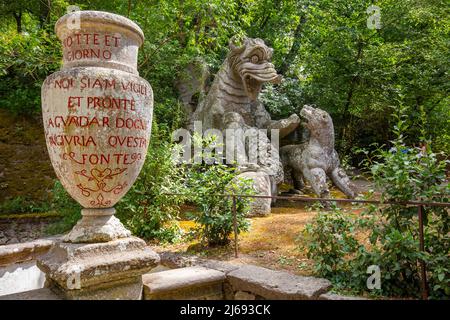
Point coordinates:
[(329, 240), (283, 100), (402, 173), (215, 217), (23, 205), (67, 207), (146, 209), (25, 61), (216, 213)]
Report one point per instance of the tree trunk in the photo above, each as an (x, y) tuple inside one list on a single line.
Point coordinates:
[(290, 57), (346, 118), (18, 17), (44, 12)]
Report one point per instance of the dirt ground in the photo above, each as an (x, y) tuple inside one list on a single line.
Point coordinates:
[(271, 241)]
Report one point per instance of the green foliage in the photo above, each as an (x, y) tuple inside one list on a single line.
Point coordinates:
[(283, 100), (357, 73), (403, 174), (146, 209), (414, 174), (325, 50), (329, 240), (205, 183), (68, 209), (25, 61), (22, 205)]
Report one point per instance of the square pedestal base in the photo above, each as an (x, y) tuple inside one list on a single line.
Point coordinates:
[(109, 270)]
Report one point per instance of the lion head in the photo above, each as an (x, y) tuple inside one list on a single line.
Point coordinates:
[(316, 120), (251, 63)]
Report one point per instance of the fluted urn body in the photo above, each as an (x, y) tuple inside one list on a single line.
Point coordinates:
[(97, 115)]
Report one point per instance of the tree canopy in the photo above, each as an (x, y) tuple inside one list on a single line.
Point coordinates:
[(325, 50)]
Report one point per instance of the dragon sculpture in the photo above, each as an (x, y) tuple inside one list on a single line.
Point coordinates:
[(232, 103)]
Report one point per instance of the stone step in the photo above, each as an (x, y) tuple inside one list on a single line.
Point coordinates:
[(276, 285), (20, 252), (37, 294), (190, 283), (334, 296)]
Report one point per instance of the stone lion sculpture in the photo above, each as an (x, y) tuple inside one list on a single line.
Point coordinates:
[(232, 103), (316, 159)]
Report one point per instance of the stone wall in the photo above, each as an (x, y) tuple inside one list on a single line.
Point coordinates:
[(17, 230), (25, 168)]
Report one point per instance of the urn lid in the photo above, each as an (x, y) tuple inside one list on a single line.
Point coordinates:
[(99, 39)]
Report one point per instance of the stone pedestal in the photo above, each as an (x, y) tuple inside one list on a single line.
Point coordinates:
[(97, 225), (110, 270)]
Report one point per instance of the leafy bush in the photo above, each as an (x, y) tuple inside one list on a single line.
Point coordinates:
[(146, 209), (23, 205), (25, 61), (216, 213), (402, 174), (283, 100), (205, 182), (329, 241), (67, 207)]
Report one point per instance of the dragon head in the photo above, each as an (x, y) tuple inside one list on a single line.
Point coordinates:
[(251, 63)]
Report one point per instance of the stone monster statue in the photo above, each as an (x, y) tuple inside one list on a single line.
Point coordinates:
[(316, 159), (232, 103)]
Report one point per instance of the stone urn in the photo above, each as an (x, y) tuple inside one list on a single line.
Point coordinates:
[(97, 115)]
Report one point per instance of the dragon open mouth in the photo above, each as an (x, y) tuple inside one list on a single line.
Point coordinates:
[(254, 76)]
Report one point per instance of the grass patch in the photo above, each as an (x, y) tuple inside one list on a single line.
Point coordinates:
[(37, 215)]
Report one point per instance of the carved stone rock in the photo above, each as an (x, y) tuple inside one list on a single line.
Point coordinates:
[(232, 103), (262, 186), (191, 85), (316, 159)]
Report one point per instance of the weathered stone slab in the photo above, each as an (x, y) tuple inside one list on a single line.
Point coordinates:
[(334, 296), (176, 260), (222, 266), (276, 285), (19, 252), (110, 270), (122, 289), (20, 277), (242, 295), (192, 283), (38, 294)]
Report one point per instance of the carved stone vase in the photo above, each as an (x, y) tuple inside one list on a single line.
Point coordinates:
[(97, 115)]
